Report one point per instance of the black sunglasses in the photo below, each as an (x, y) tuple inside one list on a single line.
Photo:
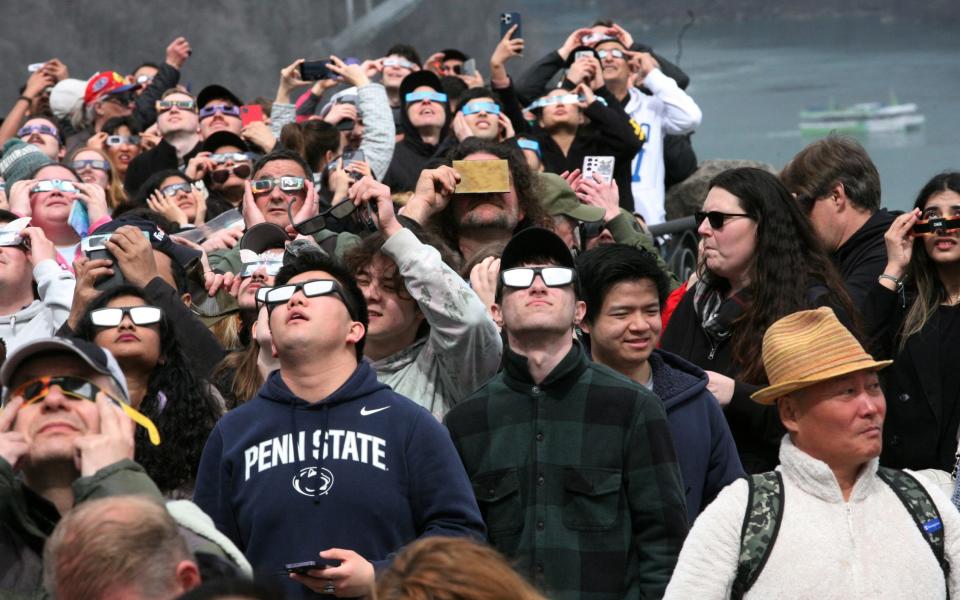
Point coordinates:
[(716, 218)]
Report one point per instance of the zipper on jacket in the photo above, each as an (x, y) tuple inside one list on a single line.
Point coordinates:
[(713, 350)]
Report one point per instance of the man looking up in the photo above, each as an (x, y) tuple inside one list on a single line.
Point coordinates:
[(339, 466), (425, 116), (624, 290), (838, 186), (468, 222), (178, 123), (63, 441), (430, 337), (572, 463)]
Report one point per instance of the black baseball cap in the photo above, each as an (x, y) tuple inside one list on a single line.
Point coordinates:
[(264, 236), (224, 138), (216, 92), (419, 79), (454, 54), (535, 242)]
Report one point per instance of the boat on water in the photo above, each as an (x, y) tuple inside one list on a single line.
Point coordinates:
[(866, 117)]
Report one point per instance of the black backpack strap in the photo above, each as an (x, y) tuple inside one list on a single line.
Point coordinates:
[(923, 510), (761, 524)]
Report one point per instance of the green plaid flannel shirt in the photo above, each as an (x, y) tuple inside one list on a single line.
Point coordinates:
[(576, 477)]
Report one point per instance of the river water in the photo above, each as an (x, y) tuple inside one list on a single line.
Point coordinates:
[(751, 79)]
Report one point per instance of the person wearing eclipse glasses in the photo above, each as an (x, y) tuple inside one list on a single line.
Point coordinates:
[(597, 468), (424, 122), (66, 436), (912, 314), (364, 471)]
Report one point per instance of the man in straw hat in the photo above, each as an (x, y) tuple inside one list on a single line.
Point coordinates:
[(829, 523)]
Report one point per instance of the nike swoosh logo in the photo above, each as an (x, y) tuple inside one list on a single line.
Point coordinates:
[(366, 413)]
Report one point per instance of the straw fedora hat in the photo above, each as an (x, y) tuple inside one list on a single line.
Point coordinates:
[(807, 347)]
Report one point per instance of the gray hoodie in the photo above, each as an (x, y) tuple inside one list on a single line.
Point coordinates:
[(463, 348), (41, 318)]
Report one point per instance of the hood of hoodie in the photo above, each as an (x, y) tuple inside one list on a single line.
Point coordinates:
[(22, 316), (675, 380), (412, 137)]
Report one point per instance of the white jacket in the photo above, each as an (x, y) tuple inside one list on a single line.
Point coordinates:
[(669, 110), (41, 318), (866, 548)]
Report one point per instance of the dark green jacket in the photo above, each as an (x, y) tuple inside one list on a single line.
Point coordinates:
[(27, 520), (576, 478)]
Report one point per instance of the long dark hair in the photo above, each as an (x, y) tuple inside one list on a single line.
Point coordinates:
[(788, 259), (188, 416), (922, 271)]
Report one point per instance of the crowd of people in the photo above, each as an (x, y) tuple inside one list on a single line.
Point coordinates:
[(402, 332)]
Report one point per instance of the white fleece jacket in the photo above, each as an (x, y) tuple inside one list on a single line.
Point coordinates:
[(866, 548), (41, 318)]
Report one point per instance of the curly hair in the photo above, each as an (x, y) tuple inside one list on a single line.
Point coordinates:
[(525, 185), (793, 260), (922, 271), (186, 418)]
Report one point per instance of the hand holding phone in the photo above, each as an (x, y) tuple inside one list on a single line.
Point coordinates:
[(508, 20), (251, 113), (302, 568), (315, 70)]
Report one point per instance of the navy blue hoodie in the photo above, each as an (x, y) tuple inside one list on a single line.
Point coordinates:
[(705, 448), (389, 474)]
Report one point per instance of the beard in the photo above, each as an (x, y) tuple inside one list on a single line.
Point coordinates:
[(500, 218)]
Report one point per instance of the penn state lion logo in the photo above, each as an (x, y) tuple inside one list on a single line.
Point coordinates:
[(308, 483)]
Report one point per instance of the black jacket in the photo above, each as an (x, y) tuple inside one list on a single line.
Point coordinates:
[(920, 430), (164, 156), (411, 155), (146, 104), (862, 258)]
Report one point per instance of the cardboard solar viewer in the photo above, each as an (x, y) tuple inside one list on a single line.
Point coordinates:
[(482, 176)]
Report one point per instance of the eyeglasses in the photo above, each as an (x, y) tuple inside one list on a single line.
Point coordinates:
[(716, 218), (35, 390), (173, 188), (476, 107), (271, 267), (144, 79), (551, 100), (123, 98), (425, 95), (120, 140), (112, 317), (522, 277), (932, 225), (340, 212), (614, 53), (310, 289), (28, 130), (223, 157), (49, 185), (11, 239), (532, 145), (224, 109), (222, 175), (287, 183), (261, 298), (165, 105), (100, 165)]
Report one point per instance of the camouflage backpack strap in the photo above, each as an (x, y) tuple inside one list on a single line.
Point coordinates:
[(761, 524), (923, 510)]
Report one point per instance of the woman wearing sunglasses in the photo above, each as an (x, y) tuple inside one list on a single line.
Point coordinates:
[(162, 386), (120, 139), (913, 316), (761, 261), (171, 194)]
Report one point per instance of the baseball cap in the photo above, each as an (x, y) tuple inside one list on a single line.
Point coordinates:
[(535, 243), (454, 54), (97, 358), (106, 82), (224, 138), (66, 96), (158, 238), (346, 96), (264, 236), (217, 92), (559, 199), (419, 79)]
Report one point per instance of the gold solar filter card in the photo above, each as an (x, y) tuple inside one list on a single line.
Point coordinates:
[(482, 176)]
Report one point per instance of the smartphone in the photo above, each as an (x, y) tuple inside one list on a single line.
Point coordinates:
[(352, 156), (250, 113), (583, 54), (316, 70), (301, 568), (601, 165), (508, 20), (470, 67)]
